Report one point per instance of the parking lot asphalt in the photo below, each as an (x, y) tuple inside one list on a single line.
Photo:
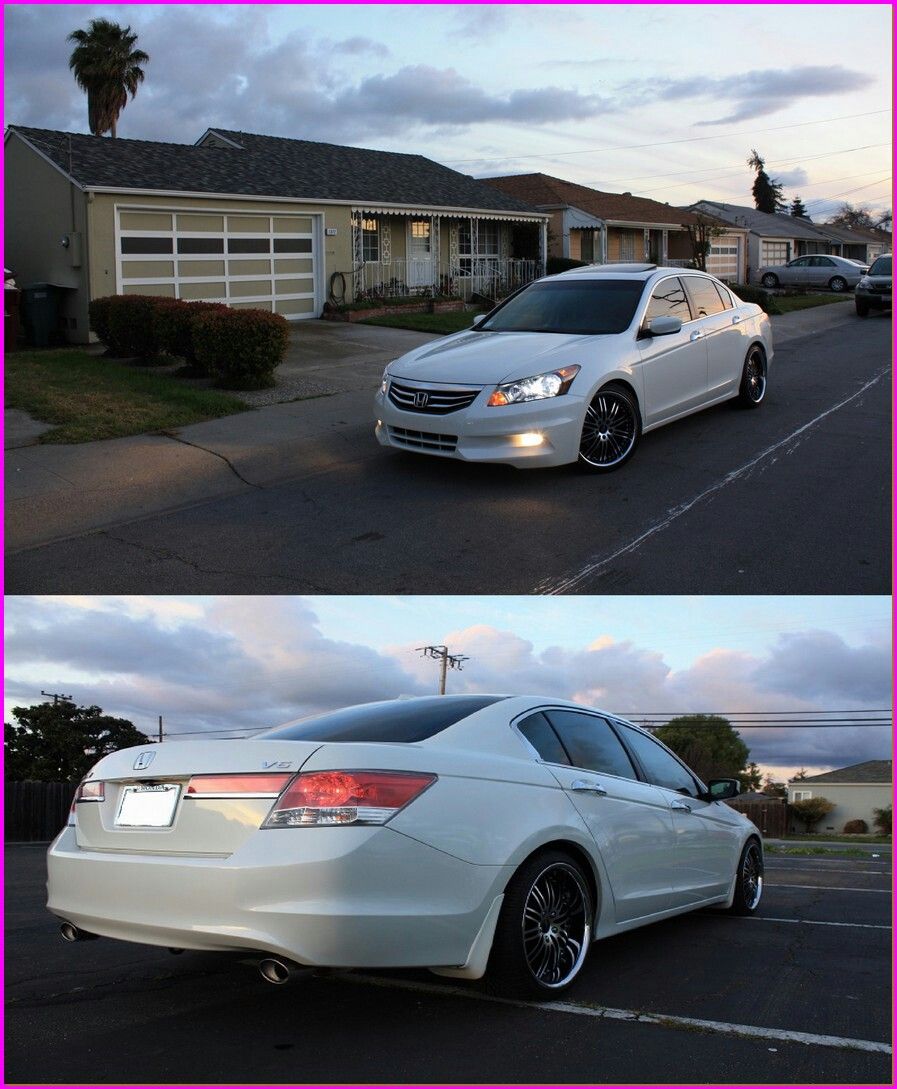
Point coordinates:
[(725, 501), (799, 993)]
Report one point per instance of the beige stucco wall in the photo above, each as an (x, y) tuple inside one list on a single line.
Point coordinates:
[(851, 803), (38, 213)]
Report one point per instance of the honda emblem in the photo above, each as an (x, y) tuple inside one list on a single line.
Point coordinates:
[(144, 760), (421, 398)]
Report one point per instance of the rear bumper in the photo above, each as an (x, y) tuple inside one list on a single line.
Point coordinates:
[(326, 897)]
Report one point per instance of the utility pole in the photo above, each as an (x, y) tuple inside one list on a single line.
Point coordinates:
[(57, 696), (440, 654), (160, 730)]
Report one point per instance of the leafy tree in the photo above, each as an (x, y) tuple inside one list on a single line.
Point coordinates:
[(108, 68), (811, 811), (883, 819), (801, 775), (772, 789), (701, 235), (799, 209), (860, 215), (766, 190), (60, 742), (750, 778), (709, 744)]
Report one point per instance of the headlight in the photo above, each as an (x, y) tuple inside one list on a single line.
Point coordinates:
[(551, 384), (865, 282), (384, 381)]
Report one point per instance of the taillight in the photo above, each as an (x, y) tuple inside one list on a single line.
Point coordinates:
[(90, 791), (345, 797), (236, 786)]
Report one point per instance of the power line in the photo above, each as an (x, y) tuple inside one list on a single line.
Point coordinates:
[(440, 654), (57, 696), (823, 200), (666, 143)]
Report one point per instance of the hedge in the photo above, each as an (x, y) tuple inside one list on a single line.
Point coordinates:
[(131, 325), (174, 323), (241, 348), (750, 294)]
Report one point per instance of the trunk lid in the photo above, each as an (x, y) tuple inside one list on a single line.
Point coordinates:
[(213, 824)]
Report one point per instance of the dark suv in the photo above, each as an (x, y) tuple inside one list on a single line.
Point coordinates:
[(873, 292)]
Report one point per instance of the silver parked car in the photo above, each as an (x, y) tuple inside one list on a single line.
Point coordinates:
[(814, 270)]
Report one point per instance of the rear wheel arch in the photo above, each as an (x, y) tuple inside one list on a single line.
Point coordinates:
[(578, 854)]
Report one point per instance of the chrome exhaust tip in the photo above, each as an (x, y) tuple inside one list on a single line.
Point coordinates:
[(72, 933), (273, 970)]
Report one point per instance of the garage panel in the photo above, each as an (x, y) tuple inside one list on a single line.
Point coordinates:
[(226, 256)]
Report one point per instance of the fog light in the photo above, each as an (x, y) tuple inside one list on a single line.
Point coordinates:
[(528, 438)]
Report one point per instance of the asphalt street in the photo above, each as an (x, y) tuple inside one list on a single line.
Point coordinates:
[(791, 498), (798, 994)]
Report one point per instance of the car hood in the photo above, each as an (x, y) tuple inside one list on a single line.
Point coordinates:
[(879, 281), (486, 358)]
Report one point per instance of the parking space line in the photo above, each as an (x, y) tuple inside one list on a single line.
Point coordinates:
[(807, 922), (787, 865), (590, 569), (825, 888), (724, 1028)]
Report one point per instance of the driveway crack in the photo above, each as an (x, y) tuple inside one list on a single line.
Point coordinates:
[(205, 449)]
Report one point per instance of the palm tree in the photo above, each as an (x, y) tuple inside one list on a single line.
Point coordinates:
[(107, 66)]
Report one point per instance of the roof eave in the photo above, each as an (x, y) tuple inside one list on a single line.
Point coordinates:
[(13, 131)]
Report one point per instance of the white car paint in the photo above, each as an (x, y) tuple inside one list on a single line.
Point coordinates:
[(424, 889), (671, 376)]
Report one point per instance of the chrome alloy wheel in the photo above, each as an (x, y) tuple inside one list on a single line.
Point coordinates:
[(752, 877), (755, 377), (609, 430), (557, 925)]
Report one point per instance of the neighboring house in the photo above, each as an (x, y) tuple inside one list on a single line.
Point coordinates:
[(860, 243), (856, 791), (772, 239), (254, 221), (589, 225)]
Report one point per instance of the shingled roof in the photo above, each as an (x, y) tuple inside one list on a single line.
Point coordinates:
[(767, 225), (545, 191), (871, 771), (268, 166)]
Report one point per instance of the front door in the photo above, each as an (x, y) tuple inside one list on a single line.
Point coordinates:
[(419, 272)]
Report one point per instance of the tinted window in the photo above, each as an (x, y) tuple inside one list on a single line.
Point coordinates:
[(538, 732), (390, 721), (146, 245), (801, 262), (822, 262), (248, 245), (661, 768), (704, 295), (591, 743), (668, 300), (292, 245), (200, 245), (725, 297), (569, 306), (881, 266)]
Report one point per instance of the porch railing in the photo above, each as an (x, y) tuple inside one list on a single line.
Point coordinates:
[(492, 277)]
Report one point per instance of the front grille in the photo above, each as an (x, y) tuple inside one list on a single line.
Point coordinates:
[(439, 402), (423, 440)]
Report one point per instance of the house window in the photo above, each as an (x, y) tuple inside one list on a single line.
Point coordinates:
[(370, 240), (774, 253), (487, 242), (801, 795)]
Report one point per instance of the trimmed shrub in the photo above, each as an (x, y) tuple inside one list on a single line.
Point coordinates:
[(174, 320), (562, 264), (811, 811), (99, 311), (240, 348), (856, 828), (132, 325), (883, 819), (763, 298)]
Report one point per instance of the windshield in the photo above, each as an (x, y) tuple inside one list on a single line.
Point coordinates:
[(588, 307), (881, 267)]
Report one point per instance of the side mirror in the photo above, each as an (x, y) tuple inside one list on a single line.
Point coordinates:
[(720, 789), (478, 321), (662, 327)]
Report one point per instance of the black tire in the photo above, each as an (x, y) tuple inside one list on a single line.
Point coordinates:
[(748, 880), (540, 945), (752, 390), (862, 309), (610, 431), (838, 284), (770, 280)]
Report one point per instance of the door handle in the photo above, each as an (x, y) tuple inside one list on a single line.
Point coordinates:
[(696, 335), (736, 319), (584, 786), (683, 806)]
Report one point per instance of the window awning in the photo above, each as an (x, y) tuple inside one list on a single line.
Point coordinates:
[(448, 213)]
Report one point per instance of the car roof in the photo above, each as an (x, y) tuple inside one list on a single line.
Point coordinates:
[(640, 271)]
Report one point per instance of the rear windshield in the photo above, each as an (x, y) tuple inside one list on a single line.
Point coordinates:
[(390, 721), (569, 306), (881, 266)]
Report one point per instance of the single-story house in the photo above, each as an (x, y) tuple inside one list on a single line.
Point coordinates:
[(857, 243), (857, 791), (254, 221), (590, 225), (772, 239)]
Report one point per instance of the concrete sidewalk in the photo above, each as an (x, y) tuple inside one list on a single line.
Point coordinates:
[(56, 491)]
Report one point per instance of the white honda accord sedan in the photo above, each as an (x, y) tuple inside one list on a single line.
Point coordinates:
[(576, 367), (465, 834)]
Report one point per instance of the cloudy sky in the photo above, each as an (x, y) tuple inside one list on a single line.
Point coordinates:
[(664, 101), (241, 663)]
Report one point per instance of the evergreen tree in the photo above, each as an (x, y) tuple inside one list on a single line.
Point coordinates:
[(766, 190), (798, 209)]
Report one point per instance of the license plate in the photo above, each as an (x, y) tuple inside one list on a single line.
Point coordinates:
[(148, 806)]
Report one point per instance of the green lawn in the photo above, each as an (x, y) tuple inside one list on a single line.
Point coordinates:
[(785, 304), (92, 398), (806, 852), (452, 322), (809, 837)]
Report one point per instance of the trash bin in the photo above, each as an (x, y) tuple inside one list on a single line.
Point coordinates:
[(40, 311), (11, 299)]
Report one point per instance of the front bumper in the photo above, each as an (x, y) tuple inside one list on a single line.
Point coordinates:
[(877, 297), (506, 435), (325, 897)]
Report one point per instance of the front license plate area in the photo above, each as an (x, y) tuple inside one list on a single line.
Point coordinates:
[(148, 806)]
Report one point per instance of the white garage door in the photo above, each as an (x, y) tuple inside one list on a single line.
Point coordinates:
[(774, 253), (265, 262), (723, 261)]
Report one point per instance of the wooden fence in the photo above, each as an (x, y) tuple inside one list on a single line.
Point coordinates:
[(36, 811), (770, 817)]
